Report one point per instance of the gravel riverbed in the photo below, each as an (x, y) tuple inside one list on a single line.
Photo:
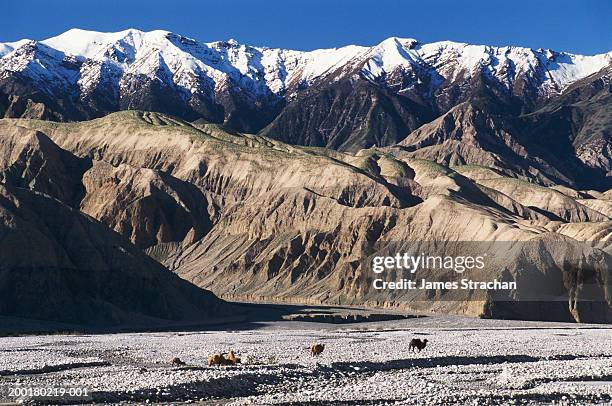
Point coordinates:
[(466, 361)]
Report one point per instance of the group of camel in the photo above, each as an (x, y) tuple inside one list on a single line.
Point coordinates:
[(315, 350), (213, 360)]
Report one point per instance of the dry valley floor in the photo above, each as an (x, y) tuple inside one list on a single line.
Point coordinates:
[(467, 361)]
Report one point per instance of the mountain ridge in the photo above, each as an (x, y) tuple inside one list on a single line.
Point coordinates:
[(91, 74), (552, 104), (290, 223)]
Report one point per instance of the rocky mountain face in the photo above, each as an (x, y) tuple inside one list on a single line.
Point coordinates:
[(347, 98), (58, 264), (271, 174), (565, 141), (251, 217)]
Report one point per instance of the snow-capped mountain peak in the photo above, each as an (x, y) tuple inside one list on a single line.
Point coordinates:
[(85, 43), (8, 47), (102, 72), (276, 70)]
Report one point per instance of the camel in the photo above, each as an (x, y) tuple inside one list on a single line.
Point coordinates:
[(317, 349), (417, 344), (220, 359), (233, 358), (176, 361)]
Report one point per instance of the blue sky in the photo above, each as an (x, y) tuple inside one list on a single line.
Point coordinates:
[(581, 26)]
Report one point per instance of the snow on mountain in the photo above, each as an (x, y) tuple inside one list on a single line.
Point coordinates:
[(89, 44), (50, 68), (7, 47), (261, 69), (451, 60), (87, 58)]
